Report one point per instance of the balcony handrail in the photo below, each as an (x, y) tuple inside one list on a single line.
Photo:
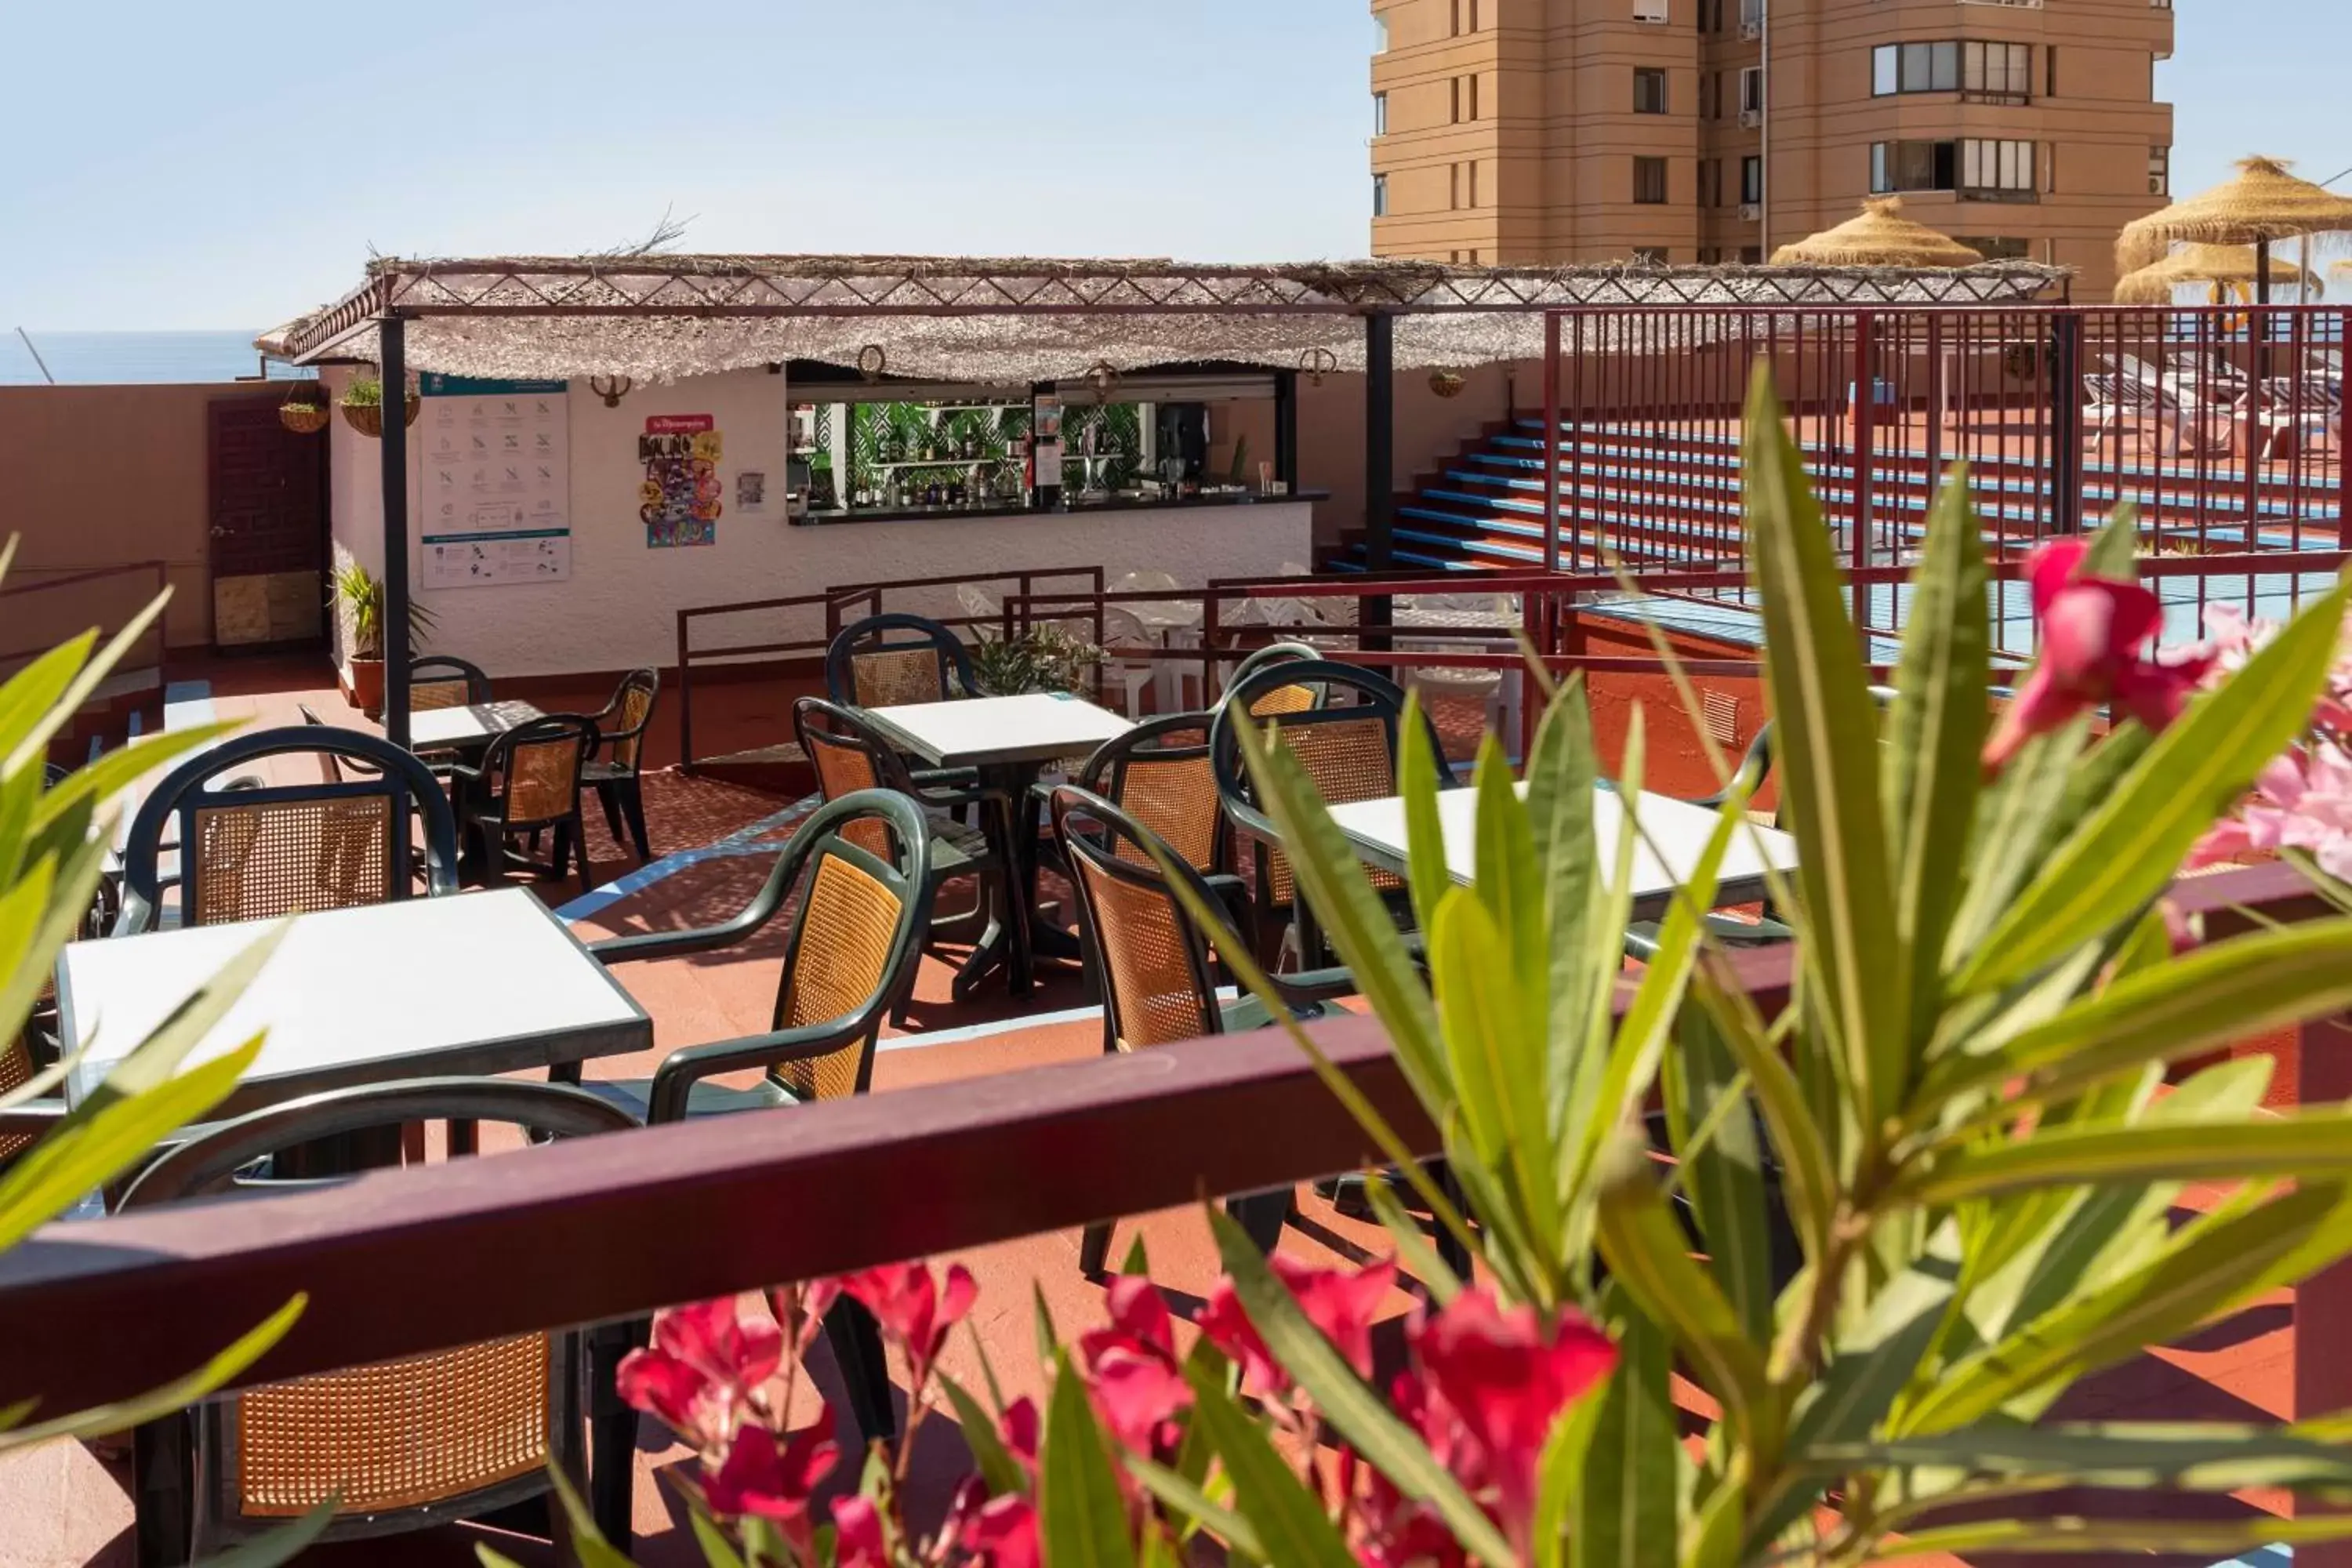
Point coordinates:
[(77, 579), (400, 1262)]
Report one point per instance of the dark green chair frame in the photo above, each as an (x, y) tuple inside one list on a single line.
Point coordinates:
[(618, 784), (483, 792)]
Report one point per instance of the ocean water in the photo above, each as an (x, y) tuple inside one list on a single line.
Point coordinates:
[(87, 359)]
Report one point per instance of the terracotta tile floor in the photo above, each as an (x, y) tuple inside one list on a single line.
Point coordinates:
[(64, 1505)]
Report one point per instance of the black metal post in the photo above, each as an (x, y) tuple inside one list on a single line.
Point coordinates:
[(393, 367), (2067, 420), (1379, 470), (1285, 429)]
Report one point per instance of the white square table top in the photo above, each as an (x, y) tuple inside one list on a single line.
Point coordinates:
[(982, 731), (467, 983), (1678, 830), (433, 727)]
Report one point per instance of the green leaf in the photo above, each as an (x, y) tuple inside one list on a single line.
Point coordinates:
[(1647, 1253), (1137, 1261), (119, 769), (2296, 1143), (170, 1399), (2188, 1455), (1808, 1176), (31, 695), (1332, 881), (1725, 1178), (1191, 1502), (2020, 818), (1415, 1252), (1081, 1517), (2068, 1533), (280, 1545), (1425, 837), (1287, 1516), (1354, 1411), (1049, 1343), (2214, 1263), (718, 1552), (2229, 991), (589, 1547), (1508, 882), (1562, 773), (1495, 1066), (1825, 728), (31, 747), (997, 1465), (1935, 738), (1621, 1500), (2129, 847)]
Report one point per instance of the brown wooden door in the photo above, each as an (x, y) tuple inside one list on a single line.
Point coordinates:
[(267, 504)]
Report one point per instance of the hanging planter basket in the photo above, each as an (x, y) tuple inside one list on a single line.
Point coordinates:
[(1445, 384), (367, 418), (303, 416)]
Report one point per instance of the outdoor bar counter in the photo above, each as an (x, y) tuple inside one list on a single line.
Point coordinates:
[(1131, 507)]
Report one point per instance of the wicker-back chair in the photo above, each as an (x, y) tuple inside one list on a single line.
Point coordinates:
[(858, 934), (1345, 736), (402, 1444), (614, 770), (849, 755), (530, 779), (1280, 699), (255, 851), (896, 660), (439, 680), (1154, 965)]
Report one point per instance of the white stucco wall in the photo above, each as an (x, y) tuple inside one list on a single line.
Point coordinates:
[(619, 608)]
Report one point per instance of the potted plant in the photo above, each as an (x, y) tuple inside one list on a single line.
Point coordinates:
[(360, 592), (363, 406), (1043, 658), (304, 412)]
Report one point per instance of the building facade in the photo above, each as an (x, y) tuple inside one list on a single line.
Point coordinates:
[(1515, 132)]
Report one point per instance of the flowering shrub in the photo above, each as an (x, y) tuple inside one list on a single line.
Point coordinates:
[(1880, 1231)]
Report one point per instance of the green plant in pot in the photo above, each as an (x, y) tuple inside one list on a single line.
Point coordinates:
[(362, 404), (359, 593), (1043, 658)]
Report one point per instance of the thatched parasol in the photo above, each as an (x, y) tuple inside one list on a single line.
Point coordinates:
[(1880, 236), (2217, 264), (2263, 203)]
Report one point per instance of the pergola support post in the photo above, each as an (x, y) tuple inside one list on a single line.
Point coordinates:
[(1379, 465), (1551, 441), (393, 369), (1286, 429)]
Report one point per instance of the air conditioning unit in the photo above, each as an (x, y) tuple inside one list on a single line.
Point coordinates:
[(1751, 29), (1751, 212), (1749, 119)]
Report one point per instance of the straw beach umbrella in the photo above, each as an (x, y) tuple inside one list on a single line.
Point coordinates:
[(2220, 265), (2262, 204), (1880, 236)]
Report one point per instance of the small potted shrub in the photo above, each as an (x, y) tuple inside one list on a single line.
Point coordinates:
[(363, 406), (1043, 658), (360, 591)]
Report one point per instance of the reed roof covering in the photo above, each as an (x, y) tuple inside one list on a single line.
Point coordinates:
[(2154, 284), (1009, 320), (1879, 235), (2264, 202)]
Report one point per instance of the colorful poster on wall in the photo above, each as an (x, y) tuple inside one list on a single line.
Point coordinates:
[(496, 471), (679, 500)]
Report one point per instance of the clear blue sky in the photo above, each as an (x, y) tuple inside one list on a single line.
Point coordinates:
[(226, 164)]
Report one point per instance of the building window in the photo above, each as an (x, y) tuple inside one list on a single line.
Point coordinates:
[(1454, 88), (1915, 68), (2050, 71), (1751, 89), (1650, 180), (1473, 80), (1751, 18), (1474, 183), (1998, 171), (1474, 15), (1380, 196), (1454, 22), (1914, 166), (1379, 34), (1708, 255), (1649, 256), (2002, 71), (1995, 247), (2159, 171), (1380, 114), (1649, 90), (1752, 178), (1751, 255), (1650, 11)]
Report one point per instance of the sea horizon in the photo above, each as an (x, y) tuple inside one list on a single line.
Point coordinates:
[(133, 358)]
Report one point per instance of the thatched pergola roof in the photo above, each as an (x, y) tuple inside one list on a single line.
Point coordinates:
[(2263, 203), (1020, 319), (2154, 284), (1879, 236)]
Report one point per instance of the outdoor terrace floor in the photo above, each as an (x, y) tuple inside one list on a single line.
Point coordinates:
[(68, 1504)]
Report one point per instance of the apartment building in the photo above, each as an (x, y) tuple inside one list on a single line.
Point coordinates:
[(1511, 131)]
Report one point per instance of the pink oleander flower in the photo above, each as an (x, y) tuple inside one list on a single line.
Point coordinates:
[(773, 1477), (1131, 1368), (1003, 1533), (2300, 800), (1506, 1377), (705, 1365), (1020, 1430), (1340, 1302), (2095, 635), (915, 1309), (859, 1539)]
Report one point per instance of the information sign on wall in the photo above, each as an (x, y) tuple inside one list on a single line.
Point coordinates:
[(497, 481)]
